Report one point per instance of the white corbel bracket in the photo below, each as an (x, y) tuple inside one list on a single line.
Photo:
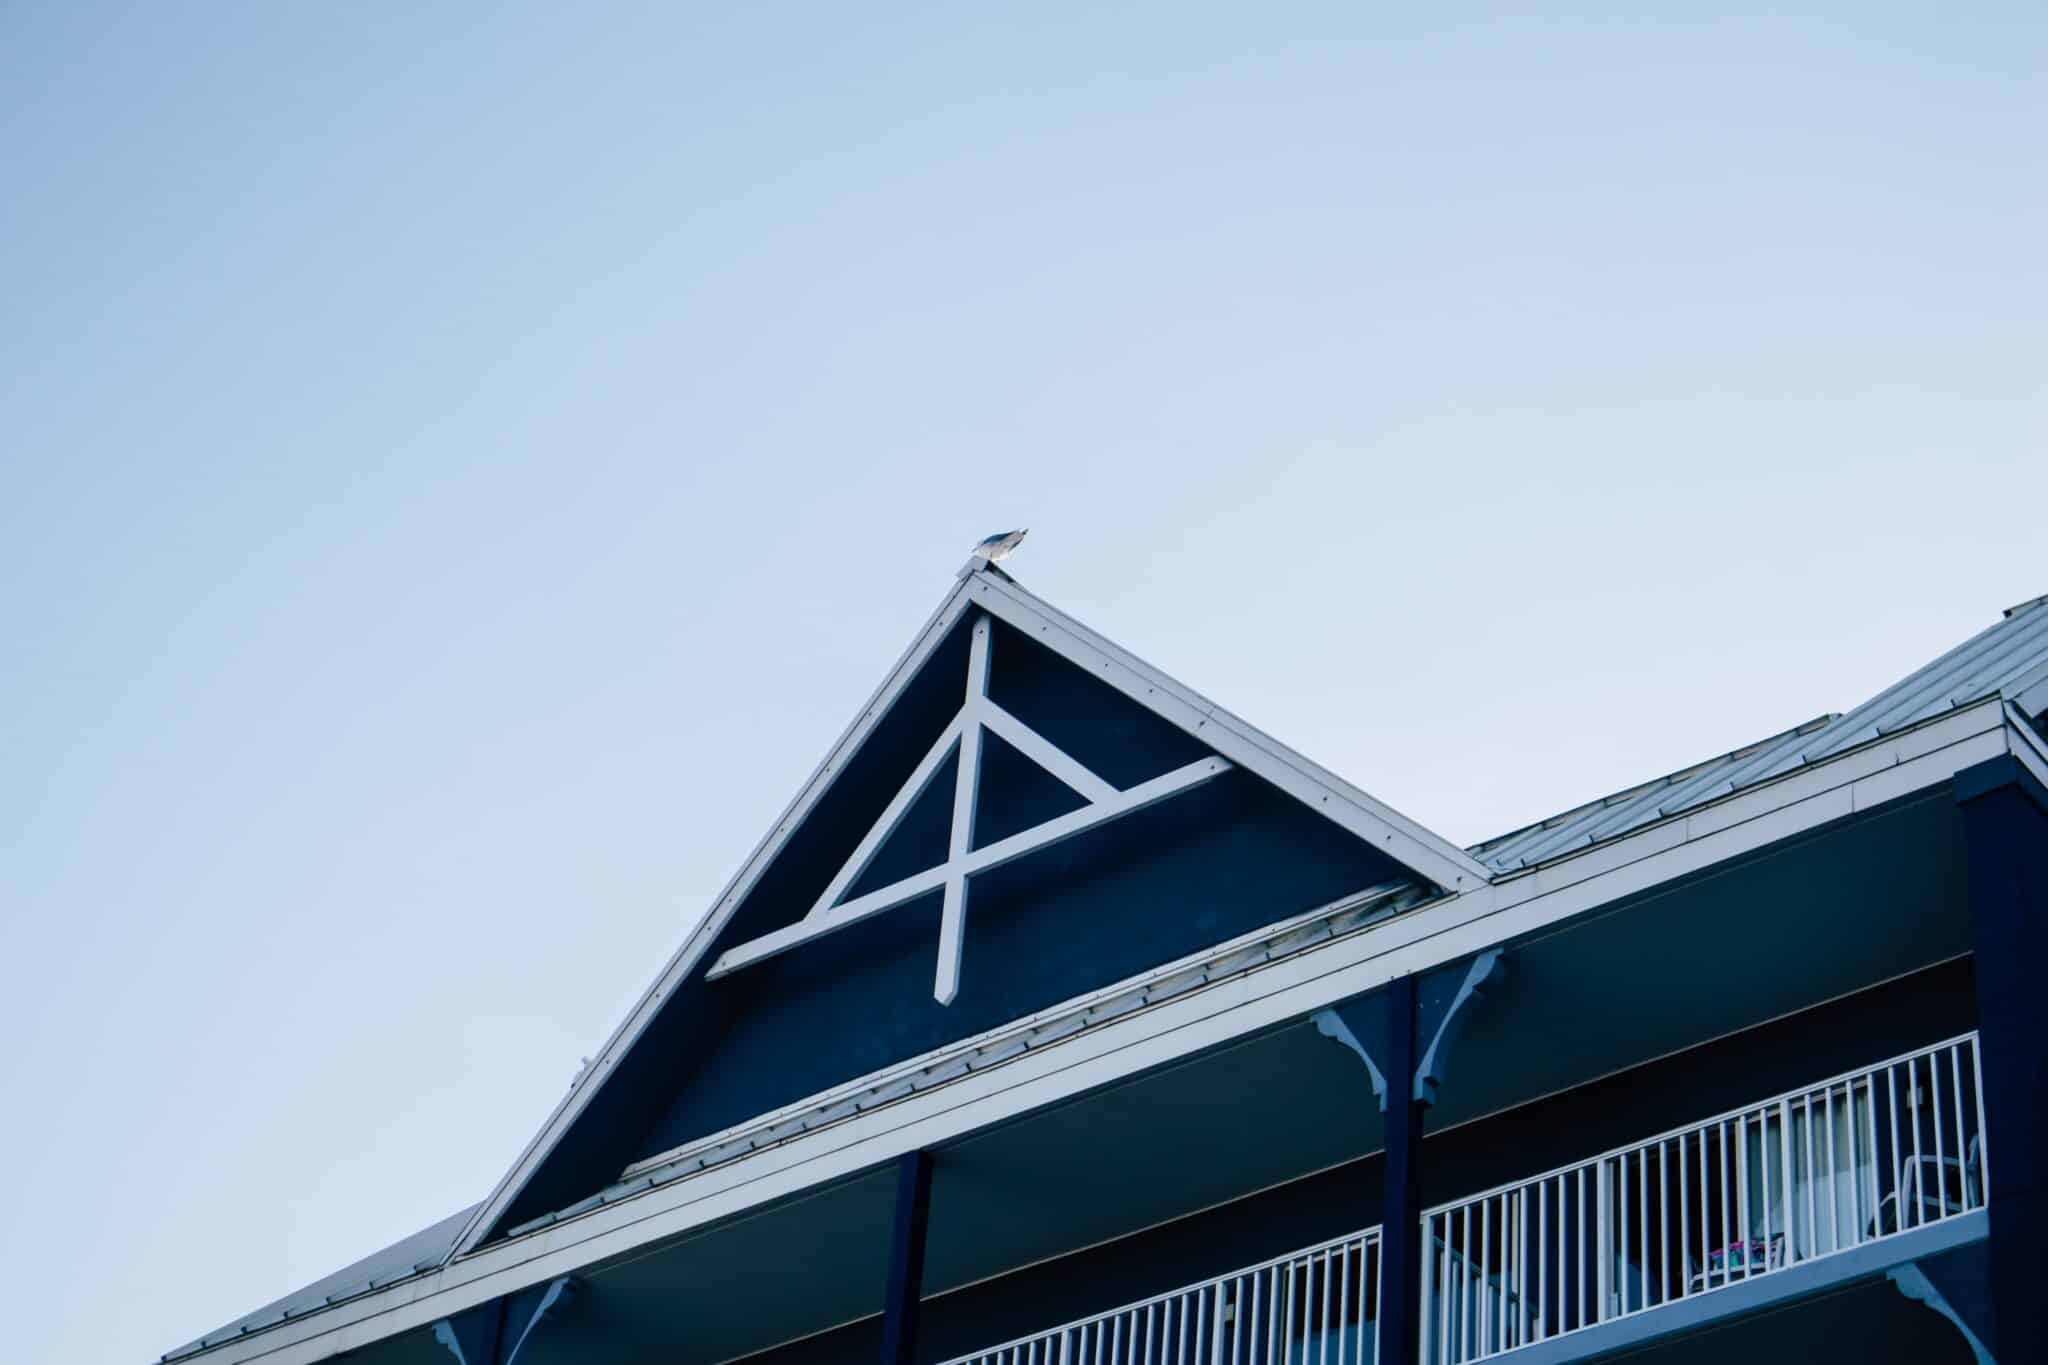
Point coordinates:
[(478, 1337), (1911, 1281), (1332, 1026), (1486, 969)]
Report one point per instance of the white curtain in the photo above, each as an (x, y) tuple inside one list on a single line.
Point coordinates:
[(1834, 1180)]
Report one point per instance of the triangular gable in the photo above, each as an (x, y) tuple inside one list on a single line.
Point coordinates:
[(1009, 743), (956, 755)]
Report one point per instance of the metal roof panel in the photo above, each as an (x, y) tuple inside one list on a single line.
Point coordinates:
[(2010, 658)]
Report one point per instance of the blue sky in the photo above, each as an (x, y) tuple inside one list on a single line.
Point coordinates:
[(459, 470)]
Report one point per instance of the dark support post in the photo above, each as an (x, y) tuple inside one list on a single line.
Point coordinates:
[(1401, 1200), (1387, 1032), (2005, 823), (906, 1257)]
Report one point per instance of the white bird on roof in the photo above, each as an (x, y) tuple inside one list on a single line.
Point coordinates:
[(997, 547)]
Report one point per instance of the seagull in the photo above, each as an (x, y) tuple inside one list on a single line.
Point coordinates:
[(999, 546)]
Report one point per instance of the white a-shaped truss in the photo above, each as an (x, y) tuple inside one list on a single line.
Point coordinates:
[(963, 860)]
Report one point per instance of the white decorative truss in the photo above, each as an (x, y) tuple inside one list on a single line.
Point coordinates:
[(963, 734)]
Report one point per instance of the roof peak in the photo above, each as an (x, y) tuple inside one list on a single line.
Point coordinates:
[(2026, 606)]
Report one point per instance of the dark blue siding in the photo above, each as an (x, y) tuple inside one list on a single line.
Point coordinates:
[(1186, 874), (2005, 815), (1160, 885)]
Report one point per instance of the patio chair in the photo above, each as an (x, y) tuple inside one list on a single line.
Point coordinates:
[(1928, 1186)]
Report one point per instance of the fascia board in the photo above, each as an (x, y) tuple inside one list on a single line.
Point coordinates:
[(2026, 746), (1411, 844), (1443, 931), (708, 927)]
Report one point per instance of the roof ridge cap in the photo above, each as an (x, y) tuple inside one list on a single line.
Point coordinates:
[(2026, 606)]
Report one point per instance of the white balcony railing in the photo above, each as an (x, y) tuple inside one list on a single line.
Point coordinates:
[(1318, 1306), (1750, 1193)]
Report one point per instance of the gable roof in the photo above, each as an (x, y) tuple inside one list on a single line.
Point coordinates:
[(2010, 660), (981, 587), (409, 1256)]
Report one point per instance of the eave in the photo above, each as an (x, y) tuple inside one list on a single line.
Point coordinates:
[(1874, 774)]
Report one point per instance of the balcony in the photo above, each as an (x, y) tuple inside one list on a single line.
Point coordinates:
[(1760, 1205), (1739, 1197), (1309, 1307)]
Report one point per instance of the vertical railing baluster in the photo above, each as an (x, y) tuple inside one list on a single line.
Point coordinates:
[(1581, 1227), (1619, 1256), (1940, 1154), (1252, 1331), (1727, 1203), (1287, 1330), (1787, 1216), (1742, 1189), (1983, 1136), (1234, 1310), (1663, 1220), (1955, 1073), (1432, 1293), (1762, 1184), (1684, 1218), (1321, 1341), (1643, 1227), (1343, 1296), (1522, 1265), (1444, 1295), (1891, 1167), (1706, 1213), (1603, 1254), (1812, 1175), (1914, 1106), (1483, 1308), (1869, 1220), (1273, 1337), (1471, 1287), (1833, 1177)]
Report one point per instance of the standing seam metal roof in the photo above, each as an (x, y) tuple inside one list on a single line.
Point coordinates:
[(415, 1255), (2009, 659)]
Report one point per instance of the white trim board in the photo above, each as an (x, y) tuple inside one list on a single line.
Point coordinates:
[(685, 959), (961, 739), (1349, 914), (1409, 844), (1871, 775)]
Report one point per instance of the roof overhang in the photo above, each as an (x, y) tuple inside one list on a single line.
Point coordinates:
[(1474, 917)]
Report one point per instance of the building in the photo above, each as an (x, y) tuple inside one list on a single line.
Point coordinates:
[(1066, 1019)]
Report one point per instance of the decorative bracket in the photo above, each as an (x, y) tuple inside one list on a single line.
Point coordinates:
[(962, 735), (1331, 1025), (477, 1337), (1912, 1281), (1486, 969)]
